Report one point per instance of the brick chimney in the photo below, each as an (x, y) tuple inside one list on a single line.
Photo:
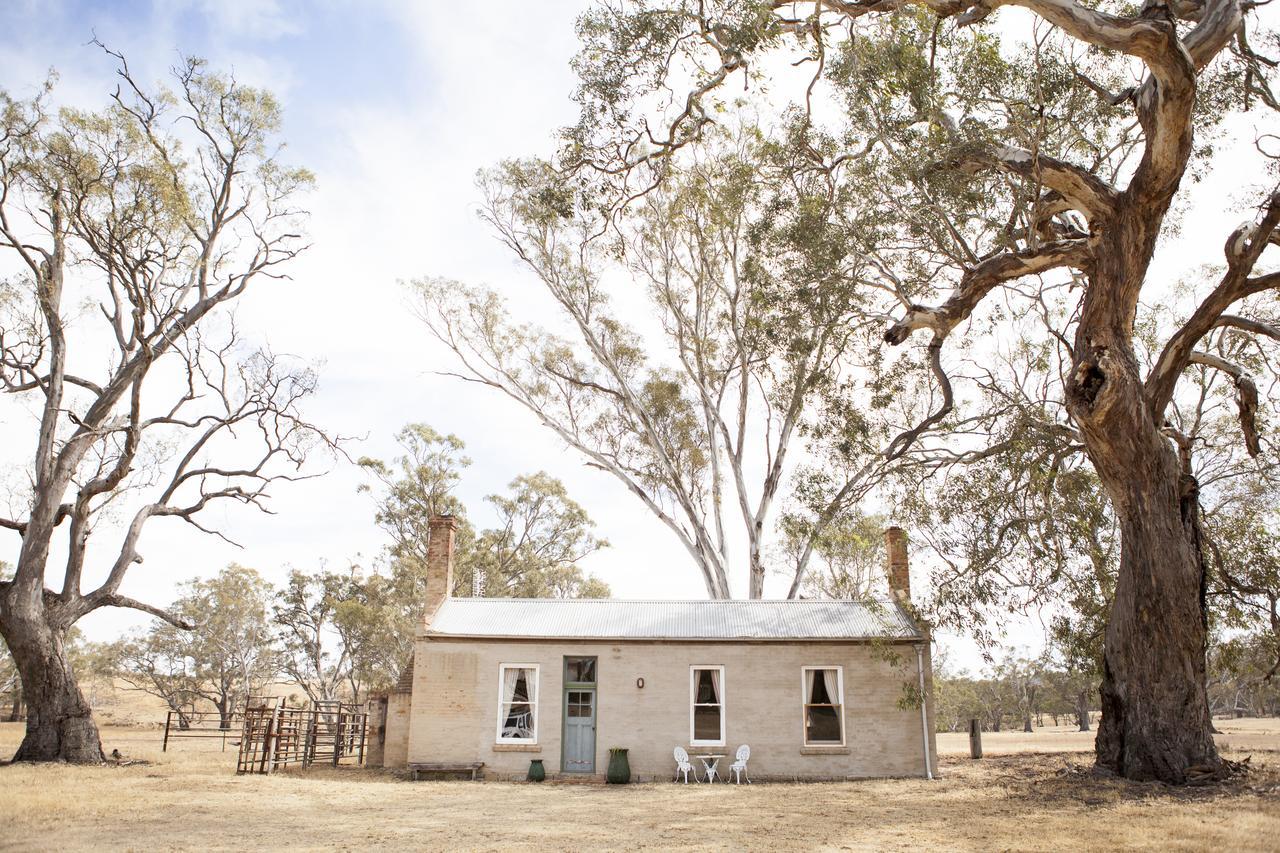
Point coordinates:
[(896, 565), (439, 562)]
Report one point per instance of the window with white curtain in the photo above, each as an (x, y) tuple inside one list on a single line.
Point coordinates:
[(518, 703), (823, 706), (706, 705)]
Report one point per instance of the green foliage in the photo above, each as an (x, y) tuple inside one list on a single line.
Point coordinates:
[(534, 550), (850, 556), (1014, 691), (1242, 676), (321, 633), (751, 256), (531, 552), (227, 656), (416, 486)]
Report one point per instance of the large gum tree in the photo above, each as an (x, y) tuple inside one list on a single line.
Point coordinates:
[(1007, 162), (130, 232)]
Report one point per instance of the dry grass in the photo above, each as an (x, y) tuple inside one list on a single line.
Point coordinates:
[(190, 798)]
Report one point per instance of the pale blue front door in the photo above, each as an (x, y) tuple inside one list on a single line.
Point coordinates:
[(579, 730)]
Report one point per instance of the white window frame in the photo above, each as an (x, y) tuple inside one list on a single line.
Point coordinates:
[(693, 694), (533, 703), (804, 706)]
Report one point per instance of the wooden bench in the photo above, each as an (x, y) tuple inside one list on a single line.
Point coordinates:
[(473, 769)]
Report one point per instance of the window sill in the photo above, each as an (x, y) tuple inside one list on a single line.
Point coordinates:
[(824, 750), (517, 747)]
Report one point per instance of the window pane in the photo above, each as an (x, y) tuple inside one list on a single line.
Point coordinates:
[(823, 725), (522, 686), (518, 720), (820, 695), (707, 692), (581, 670), (706, 723)]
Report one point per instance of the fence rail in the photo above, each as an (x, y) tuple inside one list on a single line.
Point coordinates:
[(200, 724)]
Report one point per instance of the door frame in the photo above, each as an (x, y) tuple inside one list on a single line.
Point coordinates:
[(578, 687)]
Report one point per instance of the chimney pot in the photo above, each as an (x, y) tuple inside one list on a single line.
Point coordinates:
[(896, 565)]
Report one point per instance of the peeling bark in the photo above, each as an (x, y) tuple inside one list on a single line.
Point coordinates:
[(60, 724)]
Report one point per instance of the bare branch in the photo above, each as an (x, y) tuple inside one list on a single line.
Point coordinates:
[(159, 613), (1246, 395)]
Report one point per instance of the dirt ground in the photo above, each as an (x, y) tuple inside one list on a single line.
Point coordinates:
[(1048, 800)]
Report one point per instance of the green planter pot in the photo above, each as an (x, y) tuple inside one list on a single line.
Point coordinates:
[(619, 767), (536, 771)]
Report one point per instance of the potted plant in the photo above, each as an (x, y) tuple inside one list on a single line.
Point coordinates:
[(536, 771), (619, 772)]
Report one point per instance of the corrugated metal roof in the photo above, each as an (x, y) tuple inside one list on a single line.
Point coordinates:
[(616, 619)]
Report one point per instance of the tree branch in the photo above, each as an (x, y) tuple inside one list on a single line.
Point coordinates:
[(1082, 190), (979, 281), (1246, 396), (115, 600), (1242, 250)]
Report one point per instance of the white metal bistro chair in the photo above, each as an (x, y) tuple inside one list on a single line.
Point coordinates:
[(739, 766), (683, 764)]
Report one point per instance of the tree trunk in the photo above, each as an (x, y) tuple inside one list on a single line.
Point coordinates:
[(15, 713), (755, 578), (60, 725), (1155, 710), (1026, 724), (1082, 710)]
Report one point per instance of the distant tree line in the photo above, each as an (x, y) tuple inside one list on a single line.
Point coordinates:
[(1015, 692), (1019, 692)]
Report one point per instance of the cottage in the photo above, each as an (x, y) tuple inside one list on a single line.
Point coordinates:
[(816, 688)]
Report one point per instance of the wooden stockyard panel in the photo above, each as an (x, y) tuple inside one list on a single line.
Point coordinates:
[(274, 736)]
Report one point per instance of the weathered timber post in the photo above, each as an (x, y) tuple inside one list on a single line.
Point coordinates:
[(337, 740), (167, 717), (364, 728), (975, 739)]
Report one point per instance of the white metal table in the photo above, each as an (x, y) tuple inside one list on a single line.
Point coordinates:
[(709, 761)]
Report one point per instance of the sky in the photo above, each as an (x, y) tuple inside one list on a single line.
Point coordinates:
[(394, 107)]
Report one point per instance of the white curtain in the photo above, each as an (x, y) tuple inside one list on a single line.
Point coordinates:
[(833, 689), (808, 685), (715, 685), (517, 712), (509, 678)]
